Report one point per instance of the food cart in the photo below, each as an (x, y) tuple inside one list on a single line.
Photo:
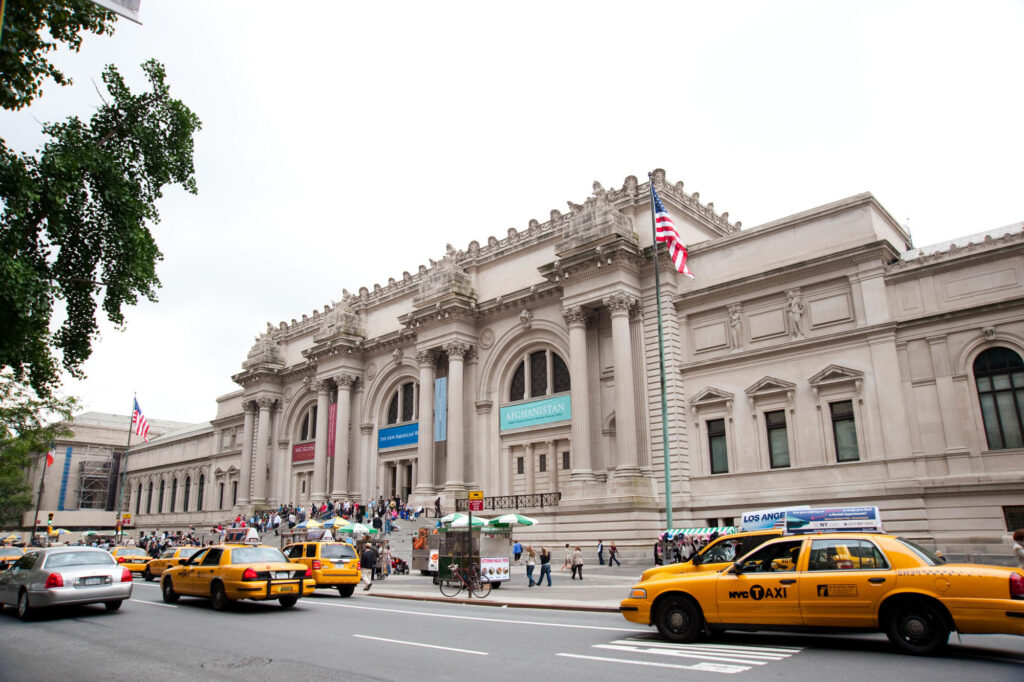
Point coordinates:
[(489, 547), (425, 548)]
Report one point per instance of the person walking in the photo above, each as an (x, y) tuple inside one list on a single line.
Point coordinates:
[(367, 562), (577, 563), (517, 551), (437, 507), (568, 558), (545, 566), (613, 555), (531, 561), (1018, 546), (600, 552)]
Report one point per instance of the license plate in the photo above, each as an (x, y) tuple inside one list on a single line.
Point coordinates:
[(92, 581), (282, 575), (285, 588)]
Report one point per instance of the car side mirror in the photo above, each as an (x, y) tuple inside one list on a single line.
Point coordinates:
[(182, 562), (697, 560), (736, 568)]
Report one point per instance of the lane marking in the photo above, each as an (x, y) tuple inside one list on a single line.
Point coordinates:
[(698, 649), (704, 667), (310, 602), (427, 646), (154, 603), (712, 645), (681, 654)]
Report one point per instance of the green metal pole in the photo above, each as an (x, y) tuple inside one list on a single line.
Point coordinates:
[(661, 357), (124, 475)]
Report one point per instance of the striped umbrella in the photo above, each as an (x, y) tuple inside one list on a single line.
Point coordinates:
[(358, 528), (478, 522), (337, 522), (310, 523), (673, 533)]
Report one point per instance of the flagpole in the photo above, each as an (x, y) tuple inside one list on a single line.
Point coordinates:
[(39, 498), (124, 471), (661, 357)]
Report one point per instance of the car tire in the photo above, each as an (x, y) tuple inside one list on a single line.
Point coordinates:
[(113, 605), (24, 609), (147, 575), (167, 591), (288, 602), (346, 590), (679, 619), (218, 597), (917, 628)]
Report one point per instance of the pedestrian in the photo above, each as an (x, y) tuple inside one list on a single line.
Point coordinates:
[(577, 563), (1018, 546), (568, 558), (367, 562), (517, 551), (531, 561), (657, 554), (545, 566), (600, 552), (437, 507), (613, 555)]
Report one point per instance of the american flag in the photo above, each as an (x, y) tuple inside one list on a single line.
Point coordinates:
[(139, 420), (665, 231)]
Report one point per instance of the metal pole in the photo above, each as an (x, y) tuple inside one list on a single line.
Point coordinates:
[(661, 357), (39, 498), (124, 473)]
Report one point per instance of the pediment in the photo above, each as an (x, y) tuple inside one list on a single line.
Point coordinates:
[(770, 385), (710, 396), (836, 374)]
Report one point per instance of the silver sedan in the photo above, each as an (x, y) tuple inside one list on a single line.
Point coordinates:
[(59, 576)]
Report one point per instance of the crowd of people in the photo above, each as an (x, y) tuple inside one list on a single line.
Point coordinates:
[(681, 547), (528, 556)]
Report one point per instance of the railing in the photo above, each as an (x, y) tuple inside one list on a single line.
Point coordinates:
[(537, 500)]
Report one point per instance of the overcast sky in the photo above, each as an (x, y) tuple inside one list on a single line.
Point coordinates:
[(344, 143)]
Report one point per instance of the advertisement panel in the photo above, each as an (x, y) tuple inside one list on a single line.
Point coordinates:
[(833, 518), (406, 434), (303, 452), (763, 519), (536, 412), (441, 409), (495, 568)]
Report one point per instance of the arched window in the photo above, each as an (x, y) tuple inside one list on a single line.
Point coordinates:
[(999, 376), (149, 499), (199, 492), (160, 499), (188, 489), (402, 406), (540, 373), (307, 424), (174, 493)]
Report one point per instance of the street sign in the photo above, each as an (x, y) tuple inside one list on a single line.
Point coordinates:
[(476, 505), (126, 516), (476, 494)]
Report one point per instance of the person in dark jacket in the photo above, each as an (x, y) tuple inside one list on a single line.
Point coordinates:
[(367, 562)]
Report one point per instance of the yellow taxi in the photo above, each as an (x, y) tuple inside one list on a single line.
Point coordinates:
[(230, 572), (172, 556), (846, 581), (332, 564), (717, 555), (132, 558), (8, 555)]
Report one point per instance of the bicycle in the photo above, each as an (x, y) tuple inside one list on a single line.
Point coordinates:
[(474, 582)]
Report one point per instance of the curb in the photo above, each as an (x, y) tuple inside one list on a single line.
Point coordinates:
[(511, 605)]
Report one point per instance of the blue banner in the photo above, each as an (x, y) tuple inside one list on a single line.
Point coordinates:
[(536, 412), (406, 434), (64, 479), (441, 408)]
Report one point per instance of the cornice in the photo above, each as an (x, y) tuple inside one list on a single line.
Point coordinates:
[(614, 253), (954, 256)]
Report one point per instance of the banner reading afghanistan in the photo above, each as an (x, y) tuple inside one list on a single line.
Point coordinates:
[(406, 434), (536, 412)]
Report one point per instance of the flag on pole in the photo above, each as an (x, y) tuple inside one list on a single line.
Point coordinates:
[(50, 454), (139, 420), (665, 231)]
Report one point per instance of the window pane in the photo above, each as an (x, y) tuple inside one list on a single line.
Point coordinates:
[(1018, 380), (1001, 381), (988, 415), (773, 558), (778, 447), (717, 446), (1008, 417), (312, 423), (842, 409), (393, 409), (517, 391), (542, 463), (984, 384), (846, 441), (538, 373), (561, 374), (519, 465), (565, 460), (408, 402)]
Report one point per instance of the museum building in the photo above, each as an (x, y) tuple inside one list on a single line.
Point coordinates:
[(817, 359)]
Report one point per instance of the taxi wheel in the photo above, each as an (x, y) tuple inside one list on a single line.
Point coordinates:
[(113, 605), (167, 590), (24, 610), (679, 619), (917, 628), (288, 602), (218, 598), (147, 575), (346, 590)]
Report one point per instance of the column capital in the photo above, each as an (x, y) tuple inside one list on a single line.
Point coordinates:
[(425, 358), (249, 406), (574, 317), (619, 303), (345, 381), (456, 349), (321, 386), (266, 403)]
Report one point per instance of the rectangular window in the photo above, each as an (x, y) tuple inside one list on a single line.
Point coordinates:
[(542, 463), (520, 467), (778, 438), (1014, 517), (717, 446), (234, 493), (220, 498), (844, 431), (565, 461)]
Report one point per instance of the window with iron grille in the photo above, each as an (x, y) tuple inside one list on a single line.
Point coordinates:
[(565, 460), (542, 463), (717, 446), (999, 376), (1014, 517), (844, 430), (520, 467)]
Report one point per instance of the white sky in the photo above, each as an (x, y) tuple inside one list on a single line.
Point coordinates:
[(343, 143)]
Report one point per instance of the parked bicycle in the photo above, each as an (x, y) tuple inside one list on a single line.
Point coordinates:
[(471, 580)]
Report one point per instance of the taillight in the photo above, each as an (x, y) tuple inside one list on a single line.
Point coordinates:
[(54, 580), (317, 565), (309, 573), (249, 574), (120, 559), (126, 575), (1016, 586)]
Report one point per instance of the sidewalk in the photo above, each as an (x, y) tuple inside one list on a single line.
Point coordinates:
[(601, 590)]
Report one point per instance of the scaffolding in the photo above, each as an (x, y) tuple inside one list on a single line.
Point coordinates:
[(94, 469)]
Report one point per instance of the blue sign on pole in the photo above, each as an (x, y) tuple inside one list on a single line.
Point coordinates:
[(536, 412), (441, 408), (406, 434), (64, 479)]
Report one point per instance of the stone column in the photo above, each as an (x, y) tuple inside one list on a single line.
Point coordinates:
[(425, 438), (625, 412), (275, 461), (505, 471), (553, 465), (531, 469), (368, 455), (319, 486), (259, 482), (581, 462), (341, 436), (455, 464), (245, 472)]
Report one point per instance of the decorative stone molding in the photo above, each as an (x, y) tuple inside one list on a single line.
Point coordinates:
[(574, 316), (266, 403), (619, 303), (795, 313), (989, 332), (366, 429), (456, 349), (526, 318), (486, 338), (835, 376), (736, 325), (371, 370), (345, 381), (321, 385), (425, 358), (397, 355)]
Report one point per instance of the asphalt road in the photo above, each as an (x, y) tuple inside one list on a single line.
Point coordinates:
[(368, 638)]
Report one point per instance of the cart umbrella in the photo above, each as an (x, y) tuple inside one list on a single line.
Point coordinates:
[(358, 528), (478, 522), (512, 520), (310, 523)]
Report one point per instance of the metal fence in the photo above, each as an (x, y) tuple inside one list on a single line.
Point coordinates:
[(535, 501)]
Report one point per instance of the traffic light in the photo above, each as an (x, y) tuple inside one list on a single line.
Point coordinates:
[(49, 519)]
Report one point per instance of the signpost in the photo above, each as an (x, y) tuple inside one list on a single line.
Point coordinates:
[(476, 501)]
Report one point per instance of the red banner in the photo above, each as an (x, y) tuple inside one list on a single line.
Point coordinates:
[(303, 452), (332, 427)]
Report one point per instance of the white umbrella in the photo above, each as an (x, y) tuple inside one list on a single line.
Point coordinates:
[(357, 528), (455, 516), (512, 520), (478, 522)]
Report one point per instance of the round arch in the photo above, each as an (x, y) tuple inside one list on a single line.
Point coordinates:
[(373, 408), (970, 352), (496, 371)]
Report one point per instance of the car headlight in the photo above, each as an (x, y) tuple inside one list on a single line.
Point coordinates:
[(638, 593)]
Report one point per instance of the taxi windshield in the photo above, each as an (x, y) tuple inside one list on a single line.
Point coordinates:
[(256, 555), (923, 554), (337, 552)]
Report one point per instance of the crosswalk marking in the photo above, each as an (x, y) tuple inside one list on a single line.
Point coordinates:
[(708, 667), (720, 658)]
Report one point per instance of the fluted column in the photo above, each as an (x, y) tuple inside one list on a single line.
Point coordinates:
[(505, 476), (625, 406), (531, 469), (580, 459), (341, 435), (368, 456), (245, 472), (552, 466), (425, 440), (456, 463), (259, 483), (319, 491)]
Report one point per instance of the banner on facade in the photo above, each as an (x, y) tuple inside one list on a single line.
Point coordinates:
[(332, 427), (406, 434), (536, 412), (303, 452), (441, 408)]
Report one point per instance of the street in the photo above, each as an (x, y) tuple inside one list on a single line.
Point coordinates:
[(367, 637)]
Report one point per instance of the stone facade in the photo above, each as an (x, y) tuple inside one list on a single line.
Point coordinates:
[(817, 359)]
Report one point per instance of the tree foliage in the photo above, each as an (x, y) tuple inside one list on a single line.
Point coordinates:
[(24, 47)]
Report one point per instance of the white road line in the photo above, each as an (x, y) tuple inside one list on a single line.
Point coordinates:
[(154, 603), (427, 646), (681, 654), (697, 648), (706, 667), (313, 602), (711, 645)]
